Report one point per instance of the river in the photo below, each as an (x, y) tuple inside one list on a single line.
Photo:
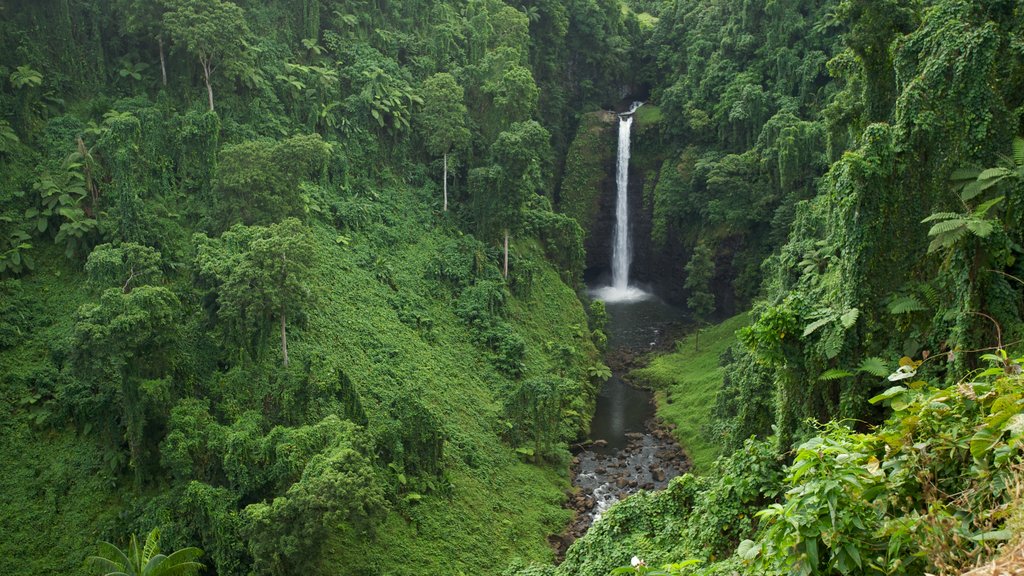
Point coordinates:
[(627, 450)]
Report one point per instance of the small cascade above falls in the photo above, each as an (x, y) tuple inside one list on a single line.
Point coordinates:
[(620, 290)]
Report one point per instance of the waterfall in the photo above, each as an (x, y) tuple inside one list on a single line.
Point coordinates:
[(620, 289), (620, 248)]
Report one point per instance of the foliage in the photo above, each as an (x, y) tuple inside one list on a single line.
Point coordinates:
[(257, 274), (699, 271), (259, 181), (212, 30), (145, 560)]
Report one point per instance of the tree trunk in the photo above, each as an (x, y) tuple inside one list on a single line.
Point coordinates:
[(284, 338), (505, 269), (206, 78), (163, 65), (445, 181)]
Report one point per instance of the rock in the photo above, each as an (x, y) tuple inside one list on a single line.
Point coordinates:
[(634, 435), (633, 483), (600, 470), (648, 486), (659, 475), (600, 443), (589, 503), (621, 482)]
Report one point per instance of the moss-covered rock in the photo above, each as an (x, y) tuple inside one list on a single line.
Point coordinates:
[(587, 174)]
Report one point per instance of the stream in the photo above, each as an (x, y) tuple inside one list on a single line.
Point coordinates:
[(627, 450)]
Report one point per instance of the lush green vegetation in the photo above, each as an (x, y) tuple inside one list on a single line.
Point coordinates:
[(854, 167), (686, 384), (282, 281)]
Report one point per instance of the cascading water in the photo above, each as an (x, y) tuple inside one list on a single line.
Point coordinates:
[(620, 290)]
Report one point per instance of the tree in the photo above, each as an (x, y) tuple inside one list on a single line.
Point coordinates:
[(518, 159), (701, 303), (146, 17), (443, 119), (126, 265), (258, 274), (212, 30), (145, 560), (122, 346), (258, 181)]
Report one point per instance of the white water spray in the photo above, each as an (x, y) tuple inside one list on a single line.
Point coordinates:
[(620, 290)]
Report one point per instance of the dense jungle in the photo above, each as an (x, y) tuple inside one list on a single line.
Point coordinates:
[(319, 286)]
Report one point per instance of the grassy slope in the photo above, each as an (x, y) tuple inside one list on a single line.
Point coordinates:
[(687, 381), (497, 509)]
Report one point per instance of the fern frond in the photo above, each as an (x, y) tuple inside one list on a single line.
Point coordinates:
[(849, 318), (980, 228), (931, 295), (947, 226), (834, 374), (1018, 151), (874, 366), (905, 305), (815, 325), (941, 216), (982, 210)]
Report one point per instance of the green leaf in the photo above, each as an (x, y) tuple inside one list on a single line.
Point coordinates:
[(811, 546), (815, 325), (961, 174), (941, 216), (905, 305), (980, 228), (748, 550), (982, 210), (993, 535), (874, 366), (890, 393), (947, 226), (983, 441), (971, 191), (991, 173), (849, 318), (834, 374)]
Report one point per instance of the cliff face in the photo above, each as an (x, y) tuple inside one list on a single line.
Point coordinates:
[(588, 188), (588, 195)]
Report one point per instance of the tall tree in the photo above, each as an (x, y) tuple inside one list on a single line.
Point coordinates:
[(443, 119), (259, 274), (122, 345), (212, 30), (701, 303), (145, 17), (519, 157)]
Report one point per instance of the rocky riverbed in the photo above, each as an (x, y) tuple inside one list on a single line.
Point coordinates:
[(602, 477)]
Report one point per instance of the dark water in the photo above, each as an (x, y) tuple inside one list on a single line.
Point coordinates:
[(622, 409)]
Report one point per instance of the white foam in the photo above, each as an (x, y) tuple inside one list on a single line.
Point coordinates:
[(612, 294)]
